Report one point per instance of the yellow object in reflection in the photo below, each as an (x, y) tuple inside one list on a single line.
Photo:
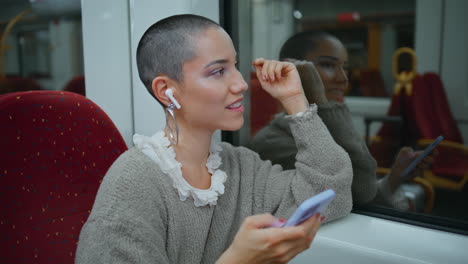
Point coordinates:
[(404, 79)]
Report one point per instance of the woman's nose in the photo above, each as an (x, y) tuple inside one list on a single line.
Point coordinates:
[(239, 85), (341, 74)]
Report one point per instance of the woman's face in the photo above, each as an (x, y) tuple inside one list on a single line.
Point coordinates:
[(212, 87), (331, 60)]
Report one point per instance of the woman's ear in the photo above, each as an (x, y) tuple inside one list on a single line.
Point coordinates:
[(159, 86)]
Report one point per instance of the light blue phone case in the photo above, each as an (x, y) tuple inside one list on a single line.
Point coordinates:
[(315, 204), (420, 157)]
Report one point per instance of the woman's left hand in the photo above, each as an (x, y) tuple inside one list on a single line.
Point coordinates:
[(281, 80)]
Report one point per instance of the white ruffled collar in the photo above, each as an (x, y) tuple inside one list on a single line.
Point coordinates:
[(159, 149)]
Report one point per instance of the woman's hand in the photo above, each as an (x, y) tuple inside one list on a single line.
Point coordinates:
[(281, 80), (312, 84), (257, 242), (403, 160)]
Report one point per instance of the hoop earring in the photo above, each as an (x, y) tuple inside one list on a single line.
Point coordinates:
[(173, 131)]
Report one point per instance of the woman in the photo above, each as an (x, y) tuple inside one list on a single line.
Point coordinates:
[(276, 143), (178, 197)]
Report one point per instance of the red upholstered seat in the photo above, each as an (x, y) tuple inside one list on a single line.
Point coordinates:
[(426, 115), (76, 85), (55, 148), (441, 109), (432, 115)]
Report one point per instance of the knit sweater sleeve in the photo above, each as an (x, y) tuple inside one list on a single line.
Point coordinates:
[(338, 120), (365, 188), (320, 164), (275, 145), (120, 228)]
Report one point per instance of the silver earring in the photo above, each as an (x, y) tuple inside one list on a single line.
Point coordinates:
[(173, 131)]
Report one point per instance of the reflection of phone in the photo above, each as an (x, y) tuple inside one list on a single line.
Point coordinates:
[(311, 206), (426, 152)]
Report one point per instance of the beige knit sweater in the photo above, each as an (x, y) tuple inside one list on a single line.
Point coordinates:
[(138, 216)]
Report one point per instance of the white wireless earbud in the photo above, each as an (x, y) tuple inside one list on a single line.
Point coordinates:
[(170, 94)]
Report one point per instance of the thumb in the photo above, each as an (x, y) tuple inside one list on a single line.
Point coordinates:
[(260, 221), (407, 153), (403, 159)]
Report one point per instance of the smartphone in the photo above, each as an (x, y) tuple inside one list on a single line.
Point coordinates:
[(426, 152), (315, 204)]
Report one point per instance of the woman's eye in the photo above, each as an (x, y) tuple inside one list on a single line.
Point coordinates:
[(327, 65), (218, 72)]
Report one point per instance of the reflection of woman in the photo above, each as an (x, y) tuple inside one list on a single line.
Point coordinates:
[(178, 197), (275, 142)]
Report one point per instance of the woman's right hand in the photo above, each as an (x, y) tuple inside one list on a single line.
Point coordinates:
[(281, 80), (257, 242), (405, 156)]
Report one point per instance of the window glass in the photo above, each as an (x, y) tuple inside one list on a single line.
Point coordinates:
[(400, 91), (42, 47)]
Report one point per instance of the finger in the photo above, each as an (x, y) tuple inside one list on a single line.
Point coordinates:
[(286, 233), (259, 69), (278, 69), (299, 245), (306, 230), (271, 70), (265, 66), (311, 225), (426, 162), (287, 67), (408, 153), (258, 72), (259, 221), (314, 230), (414, 156), (431, 156), (258, 62)]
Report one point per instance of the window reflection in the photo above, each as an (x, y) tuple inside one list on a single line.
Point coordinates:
[(33, 53), (42, 46), (371, 32)]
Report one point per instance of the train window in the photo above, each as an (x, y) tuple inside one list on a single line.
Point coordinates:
[(42, 47), (374, 57)]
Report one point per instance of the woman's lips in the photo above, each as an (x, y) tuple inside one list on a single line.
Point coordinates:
[(237, 107)]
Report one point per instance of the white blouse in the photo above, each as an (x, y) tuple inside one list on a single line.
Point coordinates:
[(159, 149)]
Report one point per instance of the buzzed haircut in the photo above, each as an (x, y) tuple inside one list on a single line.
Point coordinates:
[(167, 45), (298, 45)]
